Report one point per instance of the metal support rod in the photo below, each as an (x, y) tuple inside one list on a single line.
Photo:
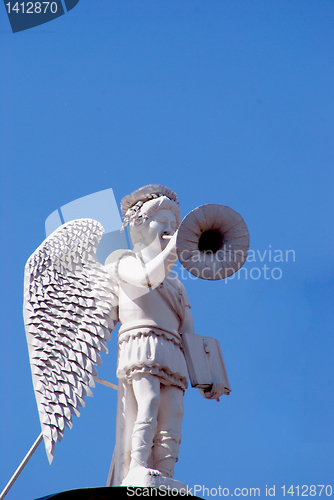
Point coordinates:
[(104, 382), (22, 465)]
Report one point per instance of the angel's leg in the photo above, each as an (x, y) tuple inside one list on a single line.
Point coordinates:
[(146, 389), (168, 435)]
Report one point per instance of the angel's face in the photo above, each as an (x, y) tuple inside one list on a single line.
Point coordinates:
[(162, 223)]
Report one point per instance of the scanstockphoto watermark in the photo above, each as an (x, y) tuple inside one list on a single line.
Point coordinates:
[(264, 264), (197, 489), (221, 491)]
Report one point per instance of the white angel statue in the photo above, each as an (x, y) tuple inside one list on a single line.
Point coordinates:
[(72, 302)]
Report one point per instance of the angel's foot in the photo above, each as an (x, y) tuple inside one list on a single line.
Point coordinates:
[(136, 476), (153, 472), (137, 468)]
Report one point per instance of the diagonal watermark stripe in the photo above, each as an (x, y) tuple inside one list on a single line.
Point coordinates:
[(25, 15), (100, 206)]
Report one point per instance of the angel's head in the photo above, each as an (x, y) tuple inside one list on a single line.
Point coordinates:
[(151, 212), (156, 218)]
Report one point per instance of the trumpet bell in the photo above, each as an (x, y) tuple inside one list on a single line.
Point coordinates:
[(212, 242)]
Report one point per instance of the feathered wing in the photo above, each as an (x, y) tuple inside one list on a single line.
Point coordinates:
[(70, 307)]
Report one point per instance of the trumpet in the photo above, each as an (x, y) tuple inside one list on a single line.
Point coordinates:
[(212, 242)]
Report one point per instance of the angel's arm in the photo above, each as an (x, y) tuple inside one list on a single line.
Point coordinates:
[(152, 273)]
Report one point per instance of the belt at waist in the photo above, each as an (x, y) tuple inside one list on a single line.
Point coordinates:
[(148, 323)]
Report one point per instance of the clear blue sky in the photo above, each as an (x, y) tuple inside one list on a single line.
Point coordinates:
[(225, 102)]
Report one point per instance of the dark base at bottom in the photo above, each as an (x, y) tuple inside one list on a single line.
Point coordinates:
[(115, 492)]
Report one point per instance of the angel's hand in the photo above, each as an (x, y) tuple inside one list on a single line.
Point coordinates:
[(171, 252), (172, 239), (214, 392)]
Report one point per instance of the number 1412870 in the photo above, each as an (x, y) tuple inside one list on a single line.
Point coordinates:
[(305, 490), (32, 7)]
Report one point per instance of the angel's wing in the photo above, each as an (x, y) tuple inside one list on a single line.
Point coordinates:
[(70, 307)]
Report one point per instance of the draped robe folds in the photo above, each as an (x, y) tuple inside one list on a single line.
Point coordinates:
[(149, 342)]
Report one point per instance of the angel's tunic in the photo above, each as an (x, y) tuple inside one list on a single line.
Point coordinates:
[(149, 338)]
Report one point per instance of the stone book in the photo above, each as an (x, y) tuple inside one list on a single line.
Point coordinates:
[(205, 362)]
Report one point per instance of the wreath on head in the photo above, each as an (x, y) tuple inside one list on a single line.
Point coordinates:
[(132, 203)]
